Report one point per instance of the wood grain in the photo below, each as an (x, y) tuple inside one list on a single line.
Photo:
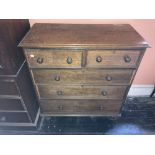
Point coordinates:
[(80, 92), (8, 88), (80, 107), (53, 58), (14, 117), (18, 102), (11, 105), (11, 33), (112, 59), (27, 92), (83, 36), (104, 60), (84, 76)]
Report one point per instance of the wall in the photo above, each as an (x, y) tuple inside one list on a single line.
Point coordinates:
[(146, 71)]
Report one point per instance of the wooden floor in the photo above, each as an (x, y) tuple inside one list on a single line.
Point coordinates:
[(138, 117)]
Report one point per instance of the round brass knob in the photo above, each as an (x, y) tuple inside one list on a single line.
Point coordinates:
[(101, 107), (108, 78), (40, 60), (104, 93), (60, 107), (59, 92), (57, 78), (3, 119), (98, 59), (127, 58), (69, 60)]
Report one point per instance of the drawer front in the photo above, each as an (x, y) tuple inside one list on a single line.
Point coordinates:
[(100, 77), (13, 117), (80, 107), (81, 92), (112, 59), (8, 88), (11, 105), (53, 58)]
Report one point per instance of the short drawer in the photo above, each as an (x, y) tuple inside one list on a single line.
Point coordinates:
[(14, 117), (11, 105), (81, 92), (80, 107), (8, 88), (85, 76), (112, 59), (46, 58)]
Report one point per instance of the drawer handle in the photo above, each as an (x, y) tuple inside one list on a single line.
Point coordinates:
[(1, 67), (59, 92), (57, 78), (101, 108), (69, 60), (104, 93), (127, 58), (60, 107), (99, 59), (108, 78), (3, 119), (40, 60)]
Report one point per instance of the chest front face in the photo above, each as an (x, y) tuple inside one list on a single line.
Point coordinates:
[(82, 70)]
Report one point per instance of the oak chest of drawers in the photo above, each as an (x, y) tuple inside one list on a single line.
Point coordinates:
[(82, 70)]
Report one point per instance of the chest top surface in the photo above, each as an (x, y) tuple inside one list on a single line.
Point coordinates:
[(44, 35)]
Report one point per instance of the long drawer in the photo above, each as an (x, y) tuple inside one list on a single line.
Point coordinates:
[(8, 88), (112, 59), (47, 58), (80, 107), (11, 105), (14, 117), (81, 92), (84, 76)]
